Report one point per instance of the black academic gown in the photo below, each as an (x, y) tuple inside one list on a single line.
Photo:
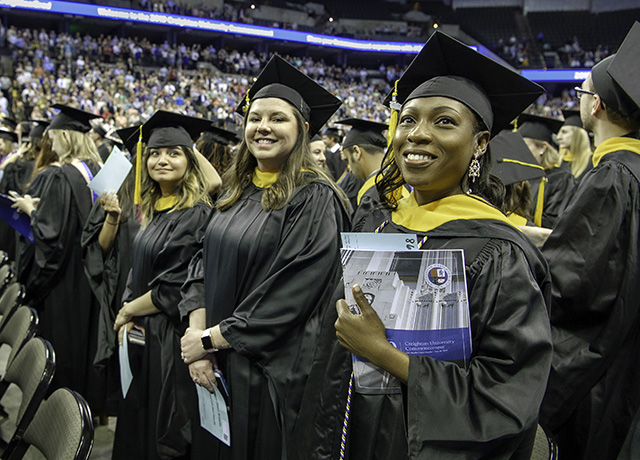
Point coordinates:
[(26, 250), (367, 200), (557, 192), (107, 277), (15, 178), (159, 416), (58, 287), (488, 410), (350, 185), (267, 278), (594, 387), (335, 164)]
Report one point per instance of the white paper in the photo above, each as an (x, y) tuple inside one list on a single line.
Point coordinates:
[(126, 376), (380, 241), (213, 413), (112, 174)]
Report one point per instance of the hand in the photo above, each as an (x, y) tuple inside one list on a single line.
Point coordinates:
[(130, 325), (110, 204), (191, 345), (122, 318), (201, 372), (25, 203), (362, 334)]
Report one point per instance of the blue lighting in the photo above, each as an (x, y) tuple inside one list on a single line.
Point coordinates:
[(174, 20)]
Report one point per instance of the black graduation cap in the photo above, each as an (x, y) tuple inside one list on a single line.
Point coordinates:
[(168, 129), (8, 121), (539, 128), (512, 160), (220, 135), (129, 137), (8, 135), (281, 80), (72, 119), (449, 68), (572, 118), (615, 78), (316, 137), (364, 132), (38, 128)]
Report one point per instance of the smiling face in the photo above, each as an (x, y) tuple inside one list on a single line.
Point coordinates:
[(317, 153), (167, 166), (433, 146), (270, 132)]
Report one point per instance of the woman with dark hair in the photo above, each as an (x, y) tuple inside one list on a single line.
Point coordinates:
[(160, 418), (269, 264), (448, 103)]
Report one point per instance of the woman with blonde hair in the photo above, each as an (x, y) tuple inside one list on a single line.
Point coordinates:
[(159, 417), (575, 145), (538, 134), (56, 284)]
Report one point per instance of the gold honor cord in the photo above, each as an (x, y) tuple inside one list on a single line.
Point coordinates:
[(537, 217), (137, 195)]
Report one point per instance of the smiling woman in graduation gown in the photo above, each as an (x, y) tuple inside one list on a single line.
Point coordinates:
[(267, 270), (159, 417), (487, 408)]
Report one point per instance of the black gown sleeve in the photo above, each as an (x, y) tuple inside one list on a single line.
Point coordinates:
[(297, 279), (592, 254), (171, 262), (51, 223), (193, 287), (488, 405)]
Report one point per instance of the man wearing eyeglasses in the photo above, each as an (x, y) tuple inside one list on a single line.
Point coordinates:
[(594, 257)]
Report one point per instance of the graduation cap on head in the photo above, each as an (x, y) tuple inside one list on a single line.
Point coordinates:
[(364, 132), (8, 135), (72, 119), (220, 135), (38, 128), (316, 137), (281, 80), (615, 78), (449, 68), (129, 139), (539, 128), (7, 121), (165, 129), (572, 118), (513, 162)]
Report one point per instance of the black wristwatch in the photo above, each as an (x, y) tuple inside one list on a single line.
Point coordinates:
[(207, 343)]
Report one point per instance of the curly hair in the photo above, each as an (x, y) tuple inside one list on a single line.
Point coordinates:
[(192, 189)]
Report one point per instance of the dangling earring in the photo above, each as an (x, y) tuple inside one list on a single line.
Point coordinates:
[(474, 169)]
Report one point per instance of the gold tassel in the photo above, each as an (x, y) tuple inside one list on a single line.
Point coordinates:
[(515, 125), (247, 101), (537, 218), (137, 195), (395, 109)]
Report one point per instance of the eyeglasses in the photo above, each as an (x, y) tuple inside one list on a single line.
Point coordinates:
[(580, 92)]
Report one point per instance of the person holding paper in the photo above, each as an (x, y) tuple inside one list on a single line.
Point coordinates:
[(445, 108), (158, 418), (56, 284), (269, 263)]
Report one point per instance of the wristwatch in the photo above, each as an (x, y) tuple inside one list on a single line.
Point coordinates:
[(207, 342)]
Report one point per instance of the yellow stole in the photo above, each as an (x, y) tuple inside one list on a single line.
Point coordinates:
[(166, 202), (517, 219), (432, 215), (264, 179), (615, 144)]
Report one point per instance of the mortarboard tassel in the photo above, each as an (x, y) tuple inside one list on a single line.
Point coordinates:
[(137, 196), (537, 217), (395, 109), (247, 100)]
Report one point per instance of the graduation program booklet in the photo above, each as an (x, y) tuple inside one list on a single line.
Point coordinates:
[(420, 296)]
